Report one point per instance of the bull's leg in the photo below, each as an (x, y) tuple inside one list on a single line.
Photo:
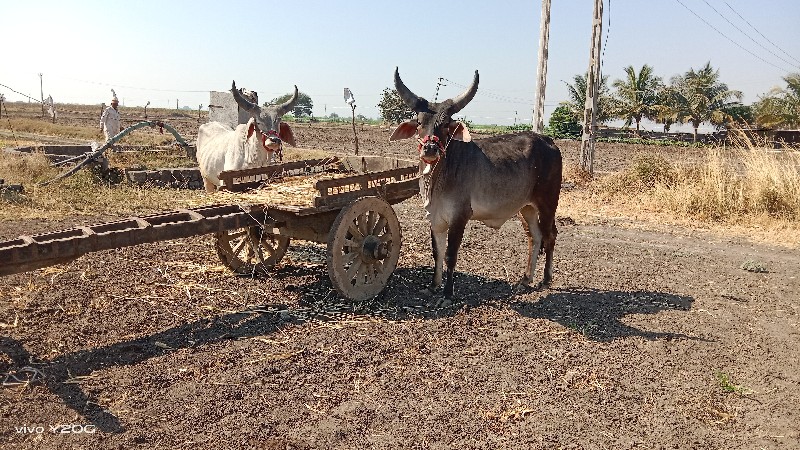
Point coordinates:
[(210, 187), (455, 235), (530, 221), (547, 223), (438, 242)]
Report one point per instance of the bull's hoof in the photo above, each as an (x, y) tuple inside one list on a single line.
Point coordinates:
[(427, 292), (521, 288), (525, 286), (444, 303)]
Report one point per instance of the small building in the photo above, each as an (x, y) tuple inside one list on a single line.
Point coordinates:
[(224, 109)]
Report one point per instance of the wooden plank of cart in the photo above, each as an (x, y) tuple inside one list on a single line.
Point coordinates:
[(352, 214)]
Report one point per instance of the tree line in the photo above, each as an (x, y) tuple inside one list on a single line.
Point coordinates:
[(695, 97)]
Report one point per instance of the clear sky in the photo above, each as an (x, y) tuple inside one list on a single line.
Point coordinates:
[(163, 51)]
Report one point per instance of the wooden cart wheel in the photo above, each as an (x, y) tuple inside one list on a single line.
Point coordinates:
[(363, 248), (249, 251)]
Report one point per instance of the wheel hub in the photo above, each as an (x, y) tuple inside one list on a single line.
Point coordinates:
[(373, 249)]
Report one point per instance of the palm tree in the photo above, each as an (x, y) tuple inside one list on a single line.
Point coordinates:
[(636, 96), (666, 107), (701, 97), (781, 107), (577, 98)]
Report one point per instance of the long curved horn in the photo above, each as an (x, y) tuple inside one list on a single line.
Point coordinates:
[(411, 99), (244, 103), (461, 101), (289, 105)]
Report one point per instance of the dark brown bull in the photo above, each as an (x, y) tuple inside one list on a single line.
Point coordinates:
[(489, 180)]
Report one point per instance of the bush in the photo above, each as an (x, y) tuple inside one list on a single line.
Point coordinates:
[(645, 173), (562, 124)]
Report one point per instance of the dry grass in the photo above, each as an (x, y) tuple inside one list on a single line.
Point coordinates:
[(750, 190), (81, 194), (145, 136), (10, 142)]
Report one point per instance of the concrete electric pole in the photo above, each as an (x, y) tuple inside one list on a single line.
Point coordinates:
[(544, 42), (41, 88), (592, 94)]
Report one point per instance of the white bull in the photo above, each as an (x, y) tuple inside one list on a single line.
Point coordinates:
[(253, 144)]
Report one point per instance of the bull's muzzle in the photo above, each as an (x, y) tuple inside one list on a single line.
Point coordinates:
[(430, 149), (271, 141)]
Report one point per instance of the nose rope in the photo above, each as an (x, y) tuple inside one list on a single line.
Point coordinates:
[(431, 166), (422, 141), (267, 135)]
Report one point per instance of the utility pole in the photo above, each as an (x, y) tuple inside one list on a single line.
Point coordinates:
[(41, 88), (592, 94), (544, 42)]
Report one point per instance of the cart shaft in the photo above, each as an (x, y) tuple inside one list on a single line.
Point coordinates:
[(36, 251)]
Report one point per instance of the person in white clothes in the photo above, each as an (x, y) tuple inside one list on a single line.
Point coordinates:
[(110, 120)]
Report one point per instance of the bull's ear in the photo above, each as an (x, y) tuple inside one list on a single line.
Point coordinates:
[(251, 126), (404, 131), (285, 133), (460, 132)]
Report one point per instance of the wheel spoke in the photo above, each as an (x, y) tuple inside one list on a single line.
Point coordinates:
[(269, 246), (378, 266), (357, 234), (353, 270), (235, 234), (378, 227), (362, 270), (351, 257), (362, 223), (372, 217), (370, 273), (238, 248), (254, 255), (386, 237)]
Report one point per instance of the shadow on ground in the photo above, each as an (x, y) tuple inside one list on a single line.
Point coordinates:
[(595, 313)]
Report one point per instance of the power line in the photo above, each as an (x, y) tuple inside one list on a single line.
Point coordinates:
[(762, 35), (728, 38), (608, 32), (499, 97), (20, 93), (748, 36)]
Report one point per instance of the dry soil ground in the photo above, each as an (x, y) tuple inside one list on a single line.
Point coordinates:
[(650, 337)]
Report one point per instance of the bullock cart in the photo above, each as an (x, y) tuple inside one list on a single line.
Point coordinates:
[(350, 212)]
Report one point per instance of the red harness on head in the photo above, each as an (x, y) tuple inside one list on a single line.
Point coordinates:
[(265, 136), (427, 139)]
